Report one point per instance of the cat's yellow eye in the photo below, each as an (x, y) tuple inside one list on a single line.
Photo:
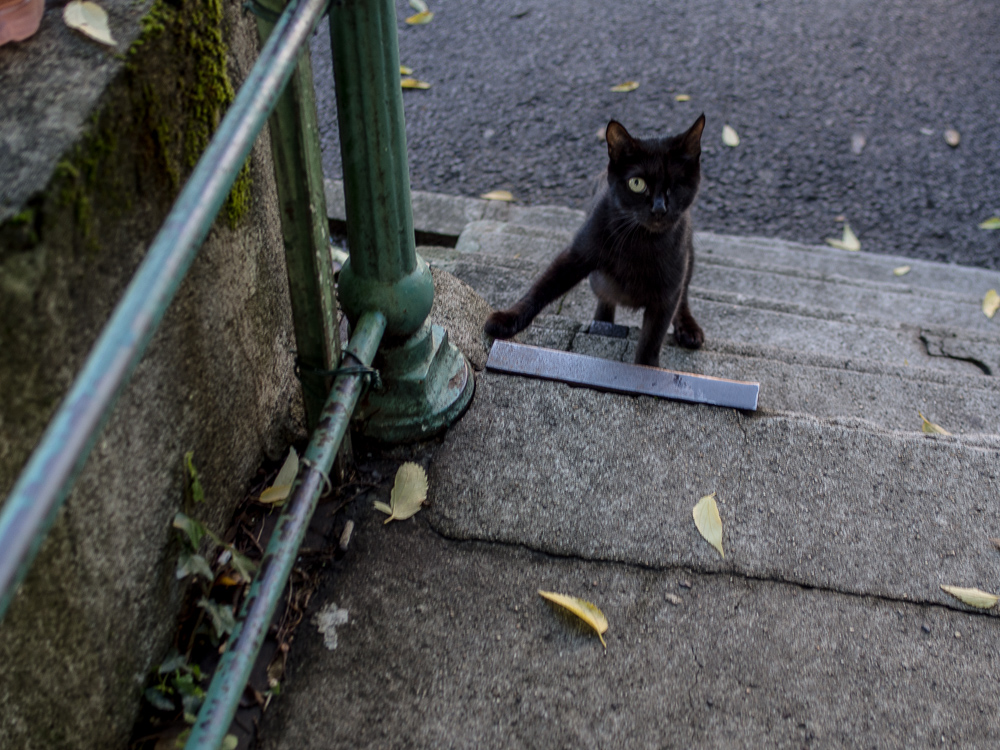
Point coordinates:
[(637, 184)]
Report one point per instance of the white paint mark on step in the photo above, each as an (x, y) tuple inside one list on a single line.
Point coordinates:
[(327, 620)]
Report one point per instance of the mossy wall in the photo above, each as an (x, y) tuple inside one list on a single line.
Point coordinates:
[(99, 604)]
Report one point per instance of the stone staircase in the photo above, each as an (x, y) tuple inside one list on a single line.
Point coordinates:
[(826, 332), (824, 624)]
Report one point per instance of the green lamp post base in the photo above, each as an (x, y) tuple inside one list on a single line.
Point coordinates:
[(428, 385)]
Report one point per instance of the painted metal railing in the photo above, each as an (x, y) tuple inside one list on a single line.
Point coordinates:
[(385, 290)]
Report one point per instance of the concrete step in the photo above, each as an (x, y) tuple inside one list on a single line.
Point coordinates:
[(786, 274), (731, 318), (448, 646), (834, 366), (831, 503), (826, 332)]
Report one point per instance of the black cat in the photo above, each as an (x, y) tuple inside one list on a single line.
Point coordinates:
[(635, 245)]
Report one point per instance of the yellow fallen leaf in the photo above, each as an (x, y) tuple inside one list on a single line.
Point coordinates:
[(682, 98), (952, 137), (848, 242), (405, 70), (931, 428), (90, 19), (279, 491), (498, 195), (583, 609), (991, 223), (625, 87), (730, 136), (413, 83), (900, 271), (972, 597), (708, 521), (991, 301), (422, 17), (408, 493)]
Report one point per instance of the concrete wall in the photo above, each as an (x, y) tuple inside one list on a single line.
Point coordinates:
[(99, 606)]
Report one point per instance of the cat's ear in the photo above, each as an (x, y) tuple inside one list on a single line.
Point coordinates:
[(620, 143), (691, 140)]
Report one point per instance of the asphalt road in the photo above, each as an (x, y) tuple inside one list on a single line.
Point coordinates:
[(520, 89)]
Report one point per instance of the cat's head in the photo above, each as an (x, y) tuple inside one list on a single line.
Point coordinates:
[(654, 180)]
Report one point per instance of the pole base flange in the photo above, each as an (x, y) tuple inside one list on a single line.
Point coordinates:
[(426, 385)]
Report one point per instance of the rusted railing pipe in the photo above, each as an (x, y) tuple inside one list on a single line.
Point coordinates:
[(258, 608)]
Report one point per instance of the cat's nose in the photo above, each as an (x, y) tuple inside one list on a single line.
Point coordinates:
[(659, 207)]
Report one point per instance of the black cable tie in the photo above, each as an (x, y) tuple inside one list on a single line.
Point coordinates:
[(374, 378)]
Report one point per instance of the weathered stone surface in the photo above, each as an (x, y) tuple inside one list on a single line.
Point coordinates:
[(99, 605), (51, 83), (460, 311), (449, 645), (837, 504)]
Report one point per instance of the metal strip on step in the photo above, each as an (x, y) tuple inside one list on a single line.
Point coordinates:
[(619, 377)]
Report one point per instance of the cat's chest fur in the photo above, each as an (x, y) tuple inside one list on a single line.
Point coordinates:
[(634, 267)]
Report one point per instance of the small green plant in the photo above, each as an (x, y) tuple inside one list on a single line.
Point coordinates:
[(178, 683)]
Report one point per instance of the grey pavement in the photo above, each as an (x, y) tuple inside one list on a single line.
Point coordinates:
[(824, 625), (519, 90)]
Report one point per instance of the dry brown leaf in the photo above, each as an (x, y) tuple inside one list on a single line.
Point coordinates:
[(972, 597), (708, 521), (991, 302), (625, 87), (498, 195), (90, 19), (413, 83), (931, 428), (583, 609)]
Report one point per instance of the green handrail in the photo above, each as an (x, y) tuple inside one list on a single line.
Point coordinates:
[(45, 482), (386, 289)]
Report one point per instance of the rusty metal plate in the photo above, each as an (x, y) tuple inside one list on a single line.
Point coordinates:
[(619, 377)]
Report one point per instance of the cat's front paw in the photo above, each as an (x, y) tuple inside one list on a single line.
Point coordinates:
[(501, 325), (689, 335)]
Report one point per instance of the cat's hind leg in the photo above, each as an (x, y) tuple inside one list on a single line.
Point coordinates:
[(605, 312)]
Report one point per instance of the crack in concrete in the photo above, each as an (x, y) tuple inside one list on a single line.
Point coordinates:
[(733, 574)]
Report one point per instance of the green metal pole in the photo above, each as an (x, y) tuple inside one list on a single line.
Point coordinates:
[(304, 224), (258, 608), (427, 382)]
